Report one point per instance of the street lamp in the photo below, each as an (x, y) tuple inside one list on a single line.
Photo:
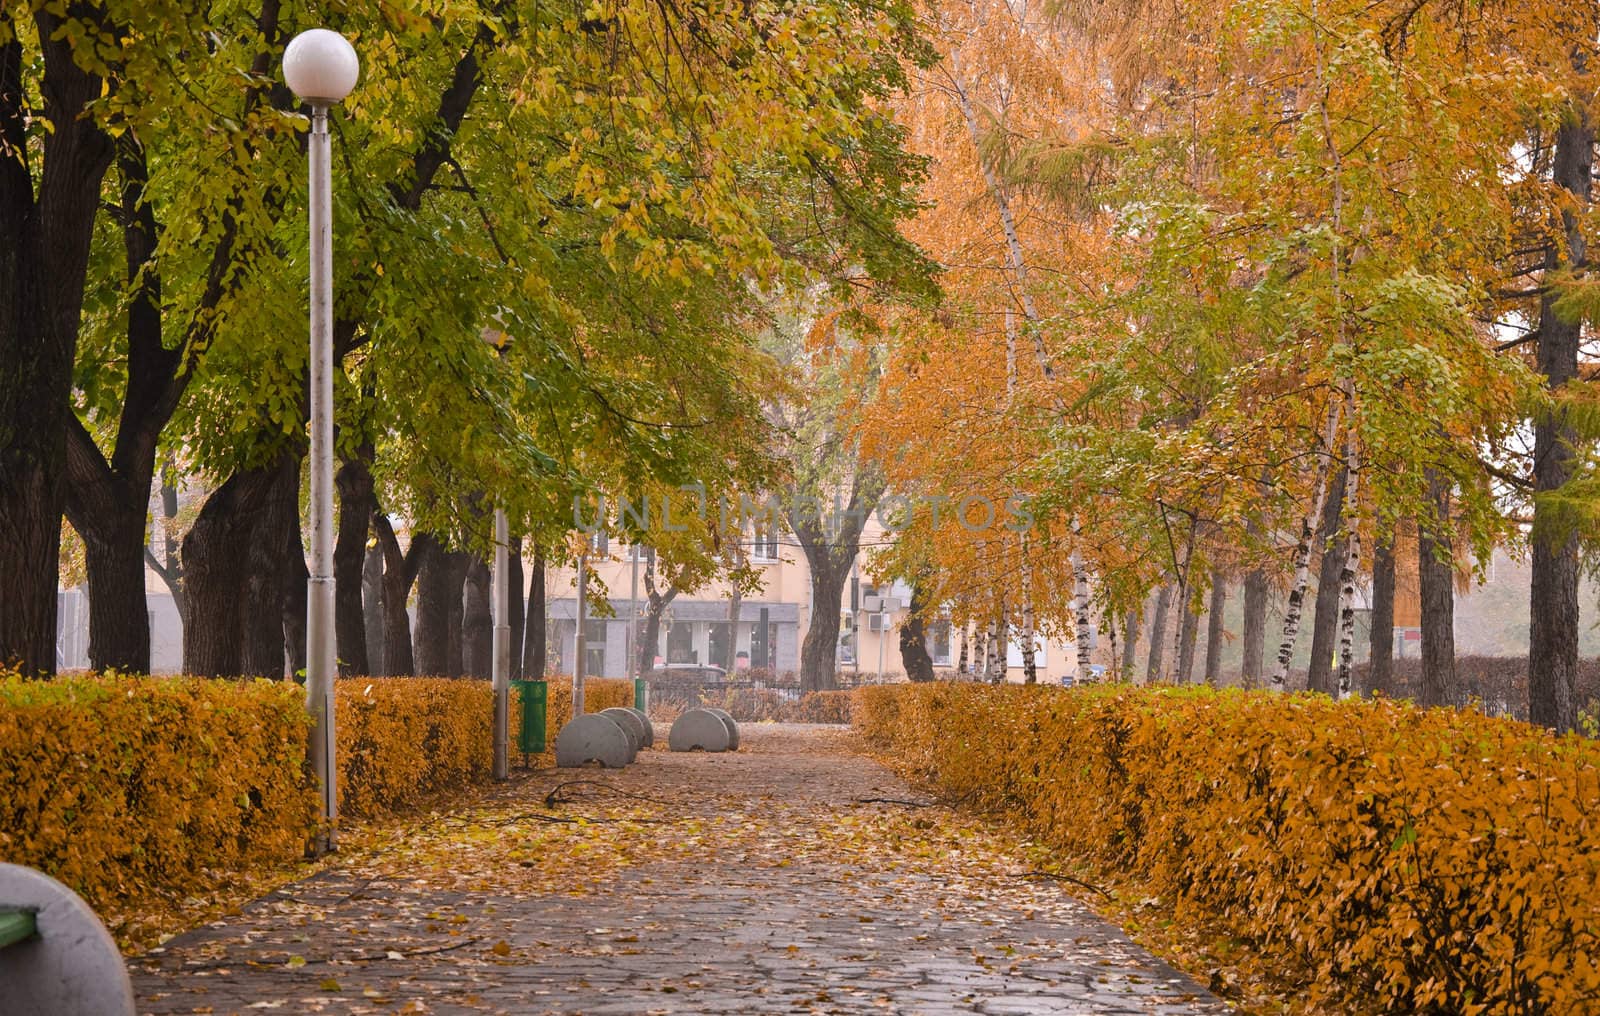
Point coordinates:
[(321, 67), (501, 592)]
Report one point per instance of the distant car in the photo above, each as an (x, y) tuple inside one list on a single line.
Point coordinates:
[(688, 673)]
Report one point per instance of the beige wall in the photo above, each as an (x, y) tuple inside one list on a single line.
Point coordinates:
[(788, 580)]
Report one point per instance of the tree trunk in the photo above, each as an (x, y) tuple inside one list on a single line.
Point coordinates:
[(356, 504), (517, 606), (274, 560), (1130, 643), (534, 651), (1553, 599), (170, 567), (1437, 574), (1343, 679), (656, 603), (477, 621), (213, 557), (1214, 627), (1295, 608), (233, 564), (1253, 666), (1325, 620), (1186, 641), (372, 607), (437, 586), (1380, 671), (119, 620), (819, 652), (1030, 670), (913, 639), (43, 266), (295, 597), (1158, 634), (399, 573)]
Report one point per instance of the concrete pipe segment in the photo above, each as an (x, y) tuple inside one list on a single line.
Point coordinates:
[(630, 722), (593, 737), (649, 728), (699, 728), (70, 966), (727, 721)]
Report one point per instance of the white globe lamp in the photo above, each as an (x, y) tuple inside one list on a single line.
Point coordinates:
[(320, 66)]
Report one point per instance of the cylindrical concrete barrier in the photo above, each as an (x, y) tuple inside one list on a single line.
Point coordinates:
[(728, 721), (699, 728), (70, 966), (630, 722), (593, 737)]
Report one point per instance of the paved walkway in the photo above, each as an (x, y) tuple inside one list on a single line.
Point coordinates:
[(755, 882)]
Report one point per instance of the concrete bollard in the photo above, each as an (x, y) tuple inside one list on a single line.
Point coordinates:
[(71, 966), (631, 724), (593, 737), (727, 721), (699, 728), (649, 729)]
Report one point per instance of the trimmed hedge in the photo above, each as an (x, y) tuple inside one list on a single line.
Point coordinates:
[(119, 785), (403, 740), (125, 786), (1431, 861)]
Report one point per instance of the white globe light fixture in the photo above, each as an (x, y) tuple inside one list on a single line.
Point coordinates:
[(321, 68)]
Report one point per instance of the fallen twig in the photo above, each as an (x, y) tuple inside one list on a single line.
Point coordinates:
[(1068, 878), (893, 800), (555, 797)]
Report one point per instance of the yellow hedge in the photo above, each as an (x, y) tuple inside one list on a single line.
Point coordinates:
[(1431, 861), (122, 785), (822, 707), (405, 739)]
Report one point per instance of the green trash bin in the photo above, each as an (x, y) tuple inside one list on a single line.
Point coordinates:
[(641, 696), (535, 695)]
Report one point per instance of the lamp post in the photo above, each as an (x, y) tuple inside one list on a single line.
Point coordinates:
[(500, 590), (321, 67), (500, 668)]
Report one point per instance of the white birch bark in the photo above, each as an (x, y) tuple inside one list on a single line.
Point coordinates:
[(1302, 557), (1352, 561), (1018, 266), (1002, 628)]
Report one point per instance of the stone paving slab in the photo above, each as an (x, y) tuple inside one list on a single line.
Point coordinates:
[(739, 928)]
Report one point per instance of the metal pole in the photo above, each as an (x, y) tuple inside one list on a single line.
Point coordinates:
[(633, 608), (883, 630), (501, 666), (319, 592), (578, 639)]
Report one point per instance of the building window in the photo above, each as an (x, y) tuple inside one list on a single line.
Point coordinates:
[(680, 643), (599, 543), (938, 640), (764, 545), (847, 639), (594, 646), (719, 640), (1014, 650), (556, 633)]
